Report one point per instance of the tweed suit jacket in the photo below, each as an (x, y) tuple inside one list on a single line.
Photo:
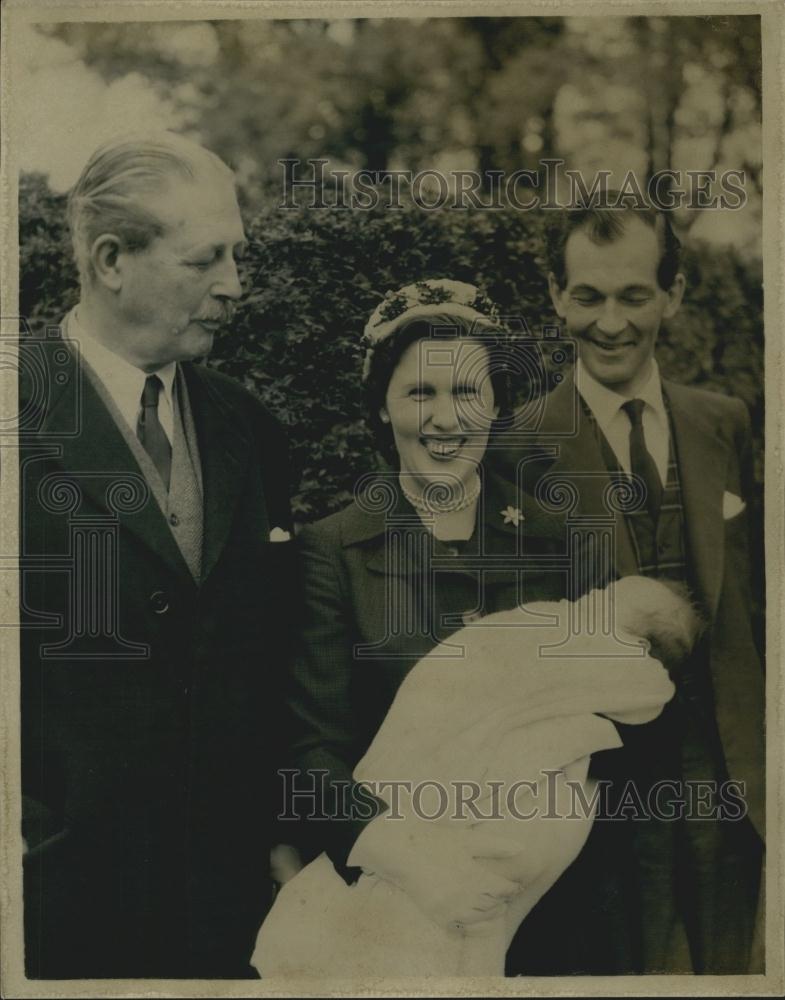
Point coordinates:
[(712, 443), (713, 446)]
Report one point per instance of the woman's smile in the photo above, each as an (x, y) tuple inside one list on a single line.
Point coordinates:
[(442, 447)]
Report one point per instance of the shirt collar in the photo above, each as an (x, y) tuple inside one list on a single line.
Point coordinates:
[(121, 378), (605, 403)]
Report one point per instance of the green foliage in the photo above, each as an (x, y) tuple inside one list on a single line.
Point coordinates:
[(384, 92), (48, 283), (314, 276)]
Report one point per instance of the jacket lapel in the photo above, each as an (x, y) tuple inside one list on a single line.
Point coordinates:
[(703, 459), (507, 517), (97, 460), (382, 509), (565, 430), (225, 452), (512, 519)]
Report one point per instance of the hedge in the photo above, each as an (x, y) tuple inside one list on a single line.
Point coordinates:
[(314, 276)]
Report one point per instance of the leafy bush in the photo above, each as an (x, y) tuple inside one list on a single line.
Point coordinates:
[(48, 283), (314, 276)]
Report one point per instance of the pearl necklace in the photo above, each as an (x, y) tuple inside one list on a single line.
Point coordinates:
[(434, 506)]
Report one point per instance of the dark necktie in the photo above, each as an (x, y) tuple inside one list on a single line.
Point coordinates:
[(150, 432), (641, 462)]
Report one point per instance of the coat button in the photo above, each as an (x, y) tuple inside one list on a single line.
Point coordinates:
[(174, 520), (159, 602)]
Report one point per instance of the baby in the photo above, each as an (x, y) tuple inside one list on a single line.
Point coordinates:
[(523, 702)]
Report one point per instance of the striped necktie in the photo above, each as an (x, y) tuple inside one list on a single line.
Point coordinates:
[(641, 462), (151, 433)]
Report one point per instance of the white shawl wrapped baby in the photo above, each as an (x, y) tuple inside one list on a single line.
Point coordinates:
[(514, 698)]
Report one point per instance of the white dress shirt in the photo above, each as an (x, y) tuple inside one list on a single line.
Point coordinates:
[(615, 424), (123, 381)]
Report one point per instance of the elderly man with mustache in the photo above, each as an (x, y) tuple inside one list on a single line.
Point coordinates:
[(154, 597)]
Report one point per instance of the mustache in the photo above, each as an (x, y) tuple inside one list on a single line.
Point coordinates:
[(223, 315)]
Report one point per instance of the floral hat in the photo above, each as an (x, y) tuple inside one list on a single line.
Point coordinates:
[(423, 299)]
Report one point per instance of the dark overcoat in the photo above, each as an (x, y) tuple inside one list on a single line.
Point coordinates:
[(149, 702)]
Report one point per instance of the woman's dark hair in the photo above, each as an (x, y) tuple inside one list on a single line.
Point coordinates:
[(440, 326)]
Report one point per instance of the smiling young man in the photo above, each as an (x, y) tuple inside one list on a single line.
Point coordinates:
[(154, 606), (651, 894)]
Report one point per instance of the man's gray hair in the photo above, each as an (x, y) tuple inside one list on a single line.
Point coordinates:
[(108, 197)]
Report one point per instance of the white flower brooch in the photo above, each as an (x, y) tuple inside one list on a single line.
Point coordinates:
[(512, 515)]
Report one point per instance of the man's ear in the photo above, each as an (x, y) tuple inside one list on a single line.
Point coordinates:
[(384, 416), (675, 294), (557, 295), (105, 256)]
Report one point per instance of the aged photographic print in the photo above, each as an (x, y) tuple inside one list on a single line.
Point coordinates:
[(392, 499)]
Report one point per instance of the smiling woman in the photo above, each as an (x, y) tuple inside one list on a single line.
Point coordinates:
[(436, 379), (405, 566), (435, 415), (407, 595)]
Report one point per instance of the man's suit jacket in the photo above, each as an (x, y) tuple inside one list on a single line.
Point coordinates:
[(149, 702), (713, 447)]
